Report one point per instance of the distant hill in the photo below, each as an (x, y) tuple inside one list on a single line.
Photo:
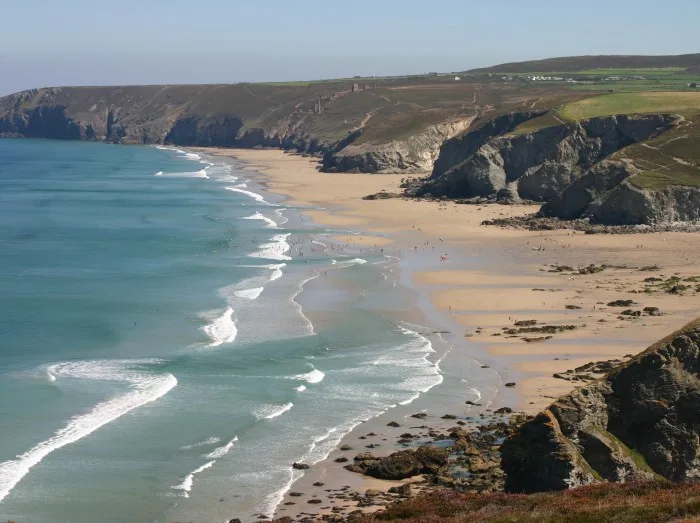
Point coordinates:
[(583, 63)]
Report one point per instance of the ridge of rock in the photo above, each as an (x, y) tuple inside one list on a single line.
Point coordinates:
[(640, 421)]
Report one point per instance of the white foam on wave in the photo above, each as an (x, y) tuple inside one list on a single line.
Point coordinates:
[(283, 218), (349, 263), (186, 486), (276, 269), (146, 387), (209, 441), (273, 500), (315, 376), (164, 148), (323, 445), (476, 392), (222, 451), (420, 348), (300, 388), (222, 329), (250, 294), (325, 436), (254, 195), (269, 223), (272, 411), (192, 156), (190, 174), (275, 249), (300, 309), (411, 399)]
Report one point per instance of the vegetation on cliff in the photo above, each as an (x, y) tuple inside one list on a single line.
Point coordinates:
[(630, 503), (485, 133)]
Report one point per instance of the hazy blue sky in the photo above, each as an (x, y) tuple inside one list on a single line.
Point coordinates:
[(79, 42)]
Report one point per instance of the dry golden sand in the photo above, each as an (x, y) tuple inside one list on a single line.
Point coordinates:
[(492, 278), (492, 286)]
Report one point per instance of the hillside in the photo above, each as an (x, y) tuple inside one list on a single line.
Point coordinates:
[(585, 63), (614, 140), (318, 118)]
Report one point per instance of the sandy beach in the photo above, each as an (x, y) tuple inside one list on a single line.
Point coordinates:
[(535, 304)]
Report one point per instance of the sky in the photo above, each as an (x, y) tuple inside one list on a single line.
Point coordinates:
[(107, 42)]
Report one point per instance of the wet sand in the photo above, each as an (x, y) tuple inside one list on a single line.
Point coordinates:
[(491, 279)]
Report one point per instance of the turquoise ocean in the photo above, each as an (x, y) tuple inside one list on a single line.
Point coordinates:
[(157, 360)]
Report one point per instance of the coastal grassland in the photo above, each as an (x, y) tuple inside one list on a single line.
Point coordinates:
[(549, 119), (670, 159), (626, 502), (632, 103)]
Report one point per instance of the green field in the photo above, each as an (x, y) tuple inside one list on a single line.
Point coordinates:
[(632, 103), (670, 159)]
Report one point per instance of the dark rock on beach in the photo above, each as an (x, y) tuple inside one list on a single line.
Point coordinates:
[(641, 421), (403, 464)]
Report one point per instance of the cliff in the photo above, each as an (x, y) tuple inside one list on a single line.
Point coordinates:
[(537, 165), (416, 153), (360, 129), (641, 421)]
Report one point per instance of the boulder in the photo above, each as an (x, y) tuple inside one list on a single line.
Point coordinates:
[(399, 465), (404, 464), (402, 490)]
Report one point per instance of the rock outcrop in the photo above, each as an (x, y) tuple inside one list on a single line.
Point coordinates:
[(416, 153), (607, 195), (539, 165), (641, 421), (403, 464), (628, 204), (576, 199), (462, 147)]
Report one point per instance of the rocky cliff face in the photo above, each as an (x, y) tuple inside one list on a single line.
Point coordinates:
[(607, 195), (414, 154), (629, 204), (640, 421), (238, 116), (539, 165), (577, 199), (462, 147)]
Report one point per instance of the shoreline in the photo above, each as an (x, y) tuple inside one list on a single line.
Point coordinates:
[(492, 278)]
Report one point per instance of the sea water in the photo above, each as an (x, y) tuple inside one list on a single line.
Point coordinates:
[(156, 363)]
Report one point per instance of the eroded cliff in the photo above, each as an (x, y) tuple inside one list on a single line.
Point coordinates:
[(416, 153), (641, 421), (352, 130), (539, 165)]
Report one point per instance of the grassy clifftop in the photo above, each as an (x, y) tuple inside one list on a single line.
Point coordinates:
[(326, 116)]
